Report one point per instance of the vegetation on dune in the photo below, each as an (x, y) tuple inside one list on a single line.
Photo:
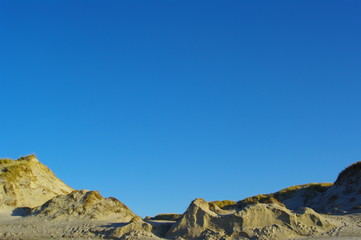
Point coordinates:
[(5, 160), (167, 217), (348, 172), (135, 219), (92, 197), (27, 157), (320, 187), (308, 190), (225, 204), (15, 171), (261, 198)]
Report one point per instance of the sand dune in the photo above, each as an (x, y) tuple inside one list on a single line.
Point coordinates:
[(35, 205)]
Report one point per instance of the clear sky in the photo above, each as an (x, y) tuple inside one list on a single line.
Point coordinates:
[(159, 102)]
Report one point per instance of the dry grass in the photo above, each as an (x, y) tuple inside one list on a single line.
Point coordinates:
[(308, 190), (5, 160), (225, 204), (316, 186), (136, 219), (167, 217), (92, 197), (15, 171), (349, 171), (12, 170), (261, 198), (27, 157)]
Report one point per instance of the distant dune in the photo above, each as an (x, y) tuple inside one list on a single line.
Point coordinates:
[(35, 204)]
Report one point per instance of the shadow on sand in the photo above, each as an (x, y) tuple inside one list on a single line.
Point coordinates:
[(21, 212)]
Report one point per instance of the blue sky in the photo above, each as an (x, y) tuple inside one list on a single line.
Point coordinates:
[(159, 102)]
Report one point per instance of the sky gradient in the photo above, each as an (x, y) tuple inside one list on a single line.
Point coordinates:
[(159, 102)]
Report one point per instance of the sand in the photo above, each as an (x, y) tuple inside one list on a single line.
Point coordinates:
[(347, 227), (35, 205)]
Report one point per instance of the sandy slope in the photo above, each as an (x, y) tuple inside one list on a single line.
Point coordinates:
[(35, 228), (28, 183), (348, 227), (38, 228)]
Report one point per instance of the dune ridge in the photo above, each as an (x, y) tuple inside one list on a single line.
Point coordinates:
[(35, 204)]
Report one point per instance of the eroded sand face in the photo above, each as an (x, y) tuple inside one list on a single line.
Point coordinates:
[(258, 221)]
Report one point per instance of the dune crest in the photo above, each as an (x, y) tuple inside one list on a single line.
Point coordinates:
[(257, 221), (84, 204), (28, 183)]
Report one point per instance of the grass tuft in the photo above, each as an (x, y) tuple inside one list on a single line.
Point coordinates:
[(136, 219), (5, 160), (27, 157), (13, 172)]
